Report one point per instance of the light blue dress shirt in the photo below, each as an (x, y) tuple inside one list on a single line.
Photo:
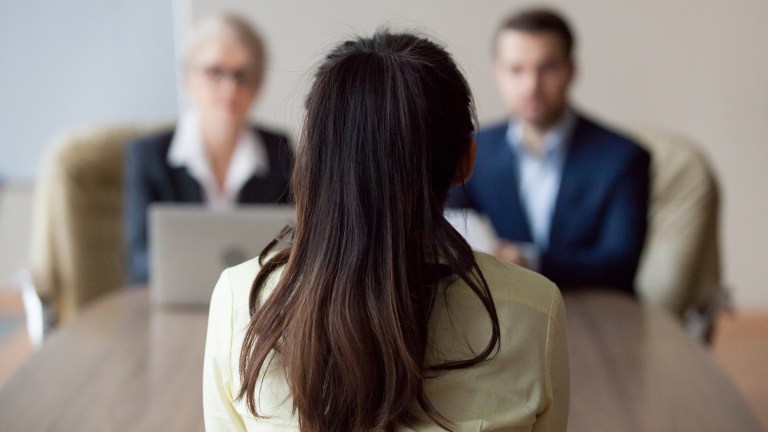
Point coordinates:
[(539, 179)]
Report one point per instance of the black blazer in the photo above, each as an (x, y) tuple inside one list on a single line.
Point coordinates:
[(148, 178), (600, 218)]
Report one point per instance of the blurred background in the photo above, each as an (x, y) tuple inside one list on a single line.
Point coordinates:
[(693, 67)]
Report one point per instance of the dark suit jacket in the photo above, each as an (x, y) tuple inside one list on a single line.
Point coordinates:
[(599, 222), (149, 178)]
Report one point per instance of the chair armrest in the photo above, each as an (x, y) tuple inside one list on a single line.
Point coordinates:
[(38, 312)]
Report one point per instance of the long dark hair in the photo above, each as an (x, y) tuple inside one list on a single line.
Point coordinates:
[(389, 120)]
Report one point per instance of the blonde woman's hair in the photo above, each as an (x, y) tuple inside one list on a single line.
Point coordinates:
[(228, 26)]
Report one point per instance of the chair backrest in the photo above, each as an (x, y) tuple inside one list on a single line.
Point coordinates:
[(77, 247), (680, 266)]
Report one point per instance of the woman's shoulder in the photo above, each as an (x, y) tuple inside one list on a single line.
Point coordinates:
[(244, 271), (146, 155), (241, 276), (156, 142), (240, 279), (511, 283)]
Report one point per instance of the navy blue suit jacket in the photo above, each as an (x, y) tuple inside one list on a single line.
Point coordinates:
[(148, 178), (600, 217)]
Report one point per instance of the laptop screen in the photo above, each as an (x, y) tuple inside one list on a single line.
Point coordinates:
[(191, 244)]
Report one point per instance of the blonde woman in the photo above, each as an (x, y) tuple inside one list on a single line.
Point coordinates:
[(213, 155)]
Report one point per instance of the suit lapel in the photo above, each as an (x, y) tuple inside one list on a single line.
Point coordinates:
[(255, 188), (516, 210), (510, 219), (186, 187), (573, 181)]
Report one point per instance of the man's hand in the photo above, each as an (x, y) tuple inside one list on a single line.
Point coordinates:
[(511, 252)]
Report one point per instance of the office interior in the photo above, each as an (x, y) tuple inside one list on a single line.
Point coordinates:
[(689, 69)]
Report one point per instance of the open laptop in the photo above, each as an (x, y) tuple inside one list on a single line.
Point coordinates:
[(190, 245)]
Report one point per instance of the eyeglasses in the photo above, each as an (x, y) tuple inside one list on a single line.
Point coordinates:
[(243, 77)]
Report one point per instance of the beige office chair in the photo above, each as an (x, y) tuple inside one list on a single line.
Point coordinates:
[(76, 251), (680, 266)]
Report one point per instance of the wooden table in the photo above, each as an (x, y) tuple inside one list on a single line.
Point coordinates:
[(127, 366), (120, 366), (633, 369)]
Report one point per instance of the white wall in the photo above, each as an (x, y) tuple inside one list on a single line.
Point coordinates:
[(64, 64), (694, 66)]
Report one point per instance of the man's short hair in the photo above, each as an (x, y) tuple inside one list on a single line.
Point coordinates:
[(539, 20)]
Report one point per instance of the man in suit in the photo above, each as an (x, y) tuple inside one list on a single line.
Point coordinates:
[(566, 196), (213, 155)]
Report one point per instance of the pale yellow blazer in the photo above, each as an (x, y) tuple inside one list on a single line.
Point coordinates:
[(525, 387)]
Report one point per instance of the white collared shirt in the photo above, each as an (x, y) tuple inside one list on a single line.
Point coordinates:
[(539, 176), (248, 160)]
